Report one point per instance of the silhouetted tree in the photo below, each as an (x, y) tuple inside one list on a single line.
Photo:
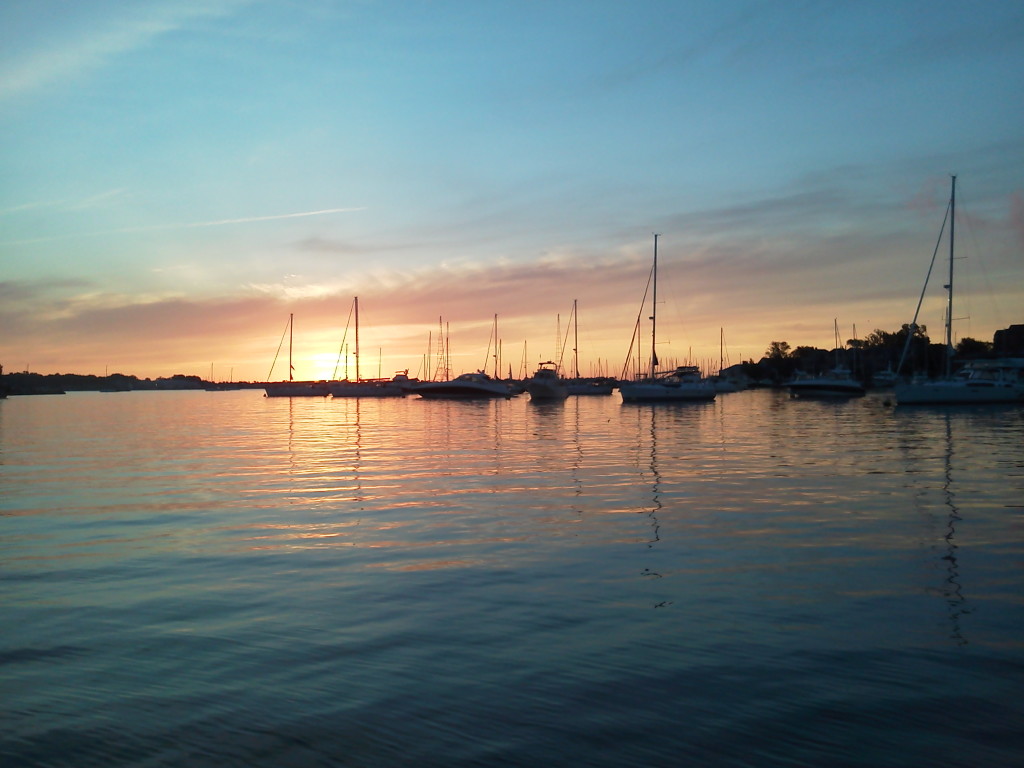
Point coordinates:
[(969, 347), (777, 350)]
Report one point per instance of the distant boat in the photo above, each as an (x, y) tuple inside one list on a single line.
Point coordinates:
[(546, 384), (579, 385), (722, 383), (838, 382), (396, 387), (884, 379), (683, 384), (468, 386), (601, 385), (996, 384), (292, 388)]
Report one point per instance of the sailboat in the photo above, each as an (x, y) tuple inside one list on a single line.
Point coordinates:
[(292, 388), (682, 384), (722, 383), (981, 383), (579, 385), (838, 382), (395, 387)]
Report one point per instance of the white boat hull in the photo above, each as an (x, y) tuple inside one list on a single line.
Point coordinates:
[(546, 384), (540, 389)]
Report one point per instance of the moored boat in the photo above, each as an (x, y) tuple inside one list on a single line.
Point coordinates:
[(601, 385), (292, 388), (296, 389), (978, 383), (838, 382), (467, 386), (973, 385), (546, 384), (683, 384)]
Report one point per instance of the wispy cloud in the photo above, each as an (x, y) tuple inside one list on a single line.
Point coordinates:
[(90, 38), (92, 201), (274, 217), (187, 225)]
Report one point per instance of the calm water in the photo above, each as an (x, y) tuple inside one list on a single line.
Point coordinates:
[(221, 579)]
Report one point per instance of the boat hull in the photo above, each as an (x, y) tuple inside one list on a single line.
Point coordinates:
[(825, 389), (654, 392), (958, 393), (541, 389), (468, 386), (589, 387), (297, 389), (459, 393), (367, 389)]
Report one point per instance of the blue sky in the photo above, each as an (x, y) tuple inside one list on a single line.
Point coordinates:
[(178, 177)]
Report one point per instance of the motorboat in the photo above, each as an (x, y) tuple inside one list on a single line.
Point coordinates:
[(467, 386), (838, 382), (546, 384)]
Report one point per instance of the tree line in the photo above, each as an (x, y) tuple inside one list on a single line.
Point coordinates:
[(878, 351)]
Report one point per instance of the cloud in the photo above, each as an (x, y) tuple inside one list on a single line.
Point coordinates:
[(274, 217), (1017, 218), (186, 225), (43, 51)]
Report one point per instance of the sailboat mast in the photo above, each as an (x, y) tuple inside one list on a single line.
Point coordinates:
[(575, 341), (949, 288), (357, 338), (721, 349), (291, 334), (654, 311)]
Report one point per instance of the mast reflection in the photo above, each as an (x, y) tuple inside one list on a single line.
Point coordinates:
[(953, 590)]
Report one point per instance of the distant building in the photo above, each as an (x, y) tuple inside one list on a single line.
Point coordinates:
[(1009, 342)]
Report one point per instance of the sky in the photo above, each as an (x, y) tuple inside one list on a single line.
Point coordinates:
[(179, 177)]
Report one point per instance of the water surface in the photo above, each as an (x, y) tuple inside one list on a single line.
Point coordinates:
[(221, 579)]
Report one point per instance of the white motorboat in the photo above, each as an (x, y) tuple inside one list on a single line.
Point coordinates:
[(546, 384), (838, 382), (467, 386)]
